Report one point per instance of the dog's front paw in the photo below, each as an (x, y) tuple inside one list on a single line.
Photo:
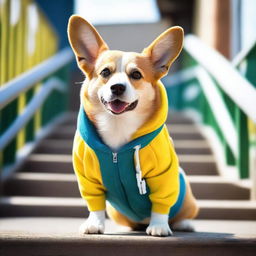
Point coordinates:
[(159, 225), (95, 224), (159, 230), (89, 227)]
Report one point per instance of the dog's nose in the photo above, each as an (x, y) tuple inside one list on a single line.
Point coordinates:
[(117, 89)]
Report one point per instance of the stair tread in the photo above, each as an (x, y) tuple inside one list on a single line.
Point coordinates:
[(218, 179), (182, 128), (68, 158), (191, 144), (177, 131), (57, 143), (72, 177), (198, 158), (34, 200), (227, 204), (179, 128), (197, 143), (74, 201), (18, 206), (65, 185), (45, 176), (57, 228), (209, 179), (64, 146)]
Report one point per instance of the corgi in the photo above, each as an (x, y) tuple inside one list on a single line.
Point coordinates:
[(122, 151)]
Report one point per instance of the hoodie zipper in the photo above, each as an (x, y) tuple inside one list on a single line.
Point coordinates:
[(141, 183), (116, 166), (114, 157)]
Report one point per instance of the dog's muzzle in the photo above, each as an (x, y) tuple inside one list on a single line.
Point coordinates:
[(118, 107)]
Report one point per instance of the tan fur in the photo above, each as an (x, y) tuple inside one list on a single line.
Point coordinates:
[(189, 210), (120, 218)]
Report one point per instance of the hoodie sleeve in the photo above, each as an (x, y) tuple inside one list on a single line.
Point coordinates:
[(162, 174), (86, 167)]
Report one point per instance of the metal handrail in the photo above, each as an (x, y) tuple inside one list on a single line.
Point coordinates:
[(31, 108), (217, 104), (240, 57), (25, 81), (230, 80), (214, 99)]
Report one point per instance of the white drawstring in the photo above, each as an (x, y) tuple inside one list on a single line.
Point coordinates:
[(141, 183)]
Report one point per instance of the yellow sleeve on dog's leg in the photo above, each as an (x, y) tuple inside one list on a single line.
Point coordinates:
[(162, 175), (87, 171), (164, 195)]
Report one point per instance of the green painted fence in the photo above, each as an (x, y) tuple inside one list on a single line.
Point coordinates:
[(26, 39), (187, 90)]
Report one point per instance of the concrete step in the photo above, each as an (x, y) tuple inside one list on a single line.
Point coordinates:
[(227, 210), (182, 128), (198, 164), (65, 133), (192, 147), (65, 185), (64, 146), (178, 118), (49, 163), (76, 207), (59, 236), (72, 118), (61, 163), (204, 187), (68, 135), (52, 146), (42, 184), (177, 132), (217, 188), (42, 207), (186, 136), (179, 128), (173, 118)]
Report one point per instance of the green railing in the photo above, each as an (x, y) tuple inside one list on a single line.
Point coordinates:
[(224, 99), (33, 80)]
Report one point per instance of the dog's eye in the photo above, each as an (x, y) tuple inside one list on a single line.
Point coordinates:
[(105, 72), (136, 75)]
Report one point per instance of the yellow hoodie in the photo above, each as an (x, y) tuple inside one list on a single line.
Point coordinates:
[(143, 176)]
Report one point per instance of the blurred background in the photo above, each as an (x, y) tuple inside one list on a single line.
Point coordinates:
[(227, 26), (211, 91)]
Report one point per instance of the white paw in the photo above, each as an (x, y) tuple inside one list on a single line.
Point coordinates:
[(91, 228), (159, 230), (95, 224), (183, 225), (158, 225)]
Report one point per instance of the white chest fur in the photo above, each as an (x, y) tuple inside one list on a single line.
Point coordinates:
[(116, 131)]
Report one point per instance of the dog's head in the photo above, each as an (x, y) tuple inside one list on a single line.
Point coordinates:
[(116, 81)]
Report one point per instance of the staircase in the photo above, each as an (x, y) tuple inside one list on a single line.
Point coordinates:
[(41, 208)]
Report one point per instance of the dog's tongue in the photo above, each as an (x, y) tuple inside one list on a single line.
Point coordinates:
[(118, 106)]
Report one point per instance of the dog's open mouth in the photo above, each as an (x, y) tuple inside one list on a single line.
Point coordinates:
[(118, 107)]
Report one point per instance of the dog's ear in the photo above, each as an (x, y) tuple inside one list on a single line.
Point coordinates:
[(164, 50), (86, 42)]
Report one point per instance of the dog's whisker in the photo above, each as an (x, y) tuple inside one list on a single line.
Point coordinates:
[(79, 82)]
